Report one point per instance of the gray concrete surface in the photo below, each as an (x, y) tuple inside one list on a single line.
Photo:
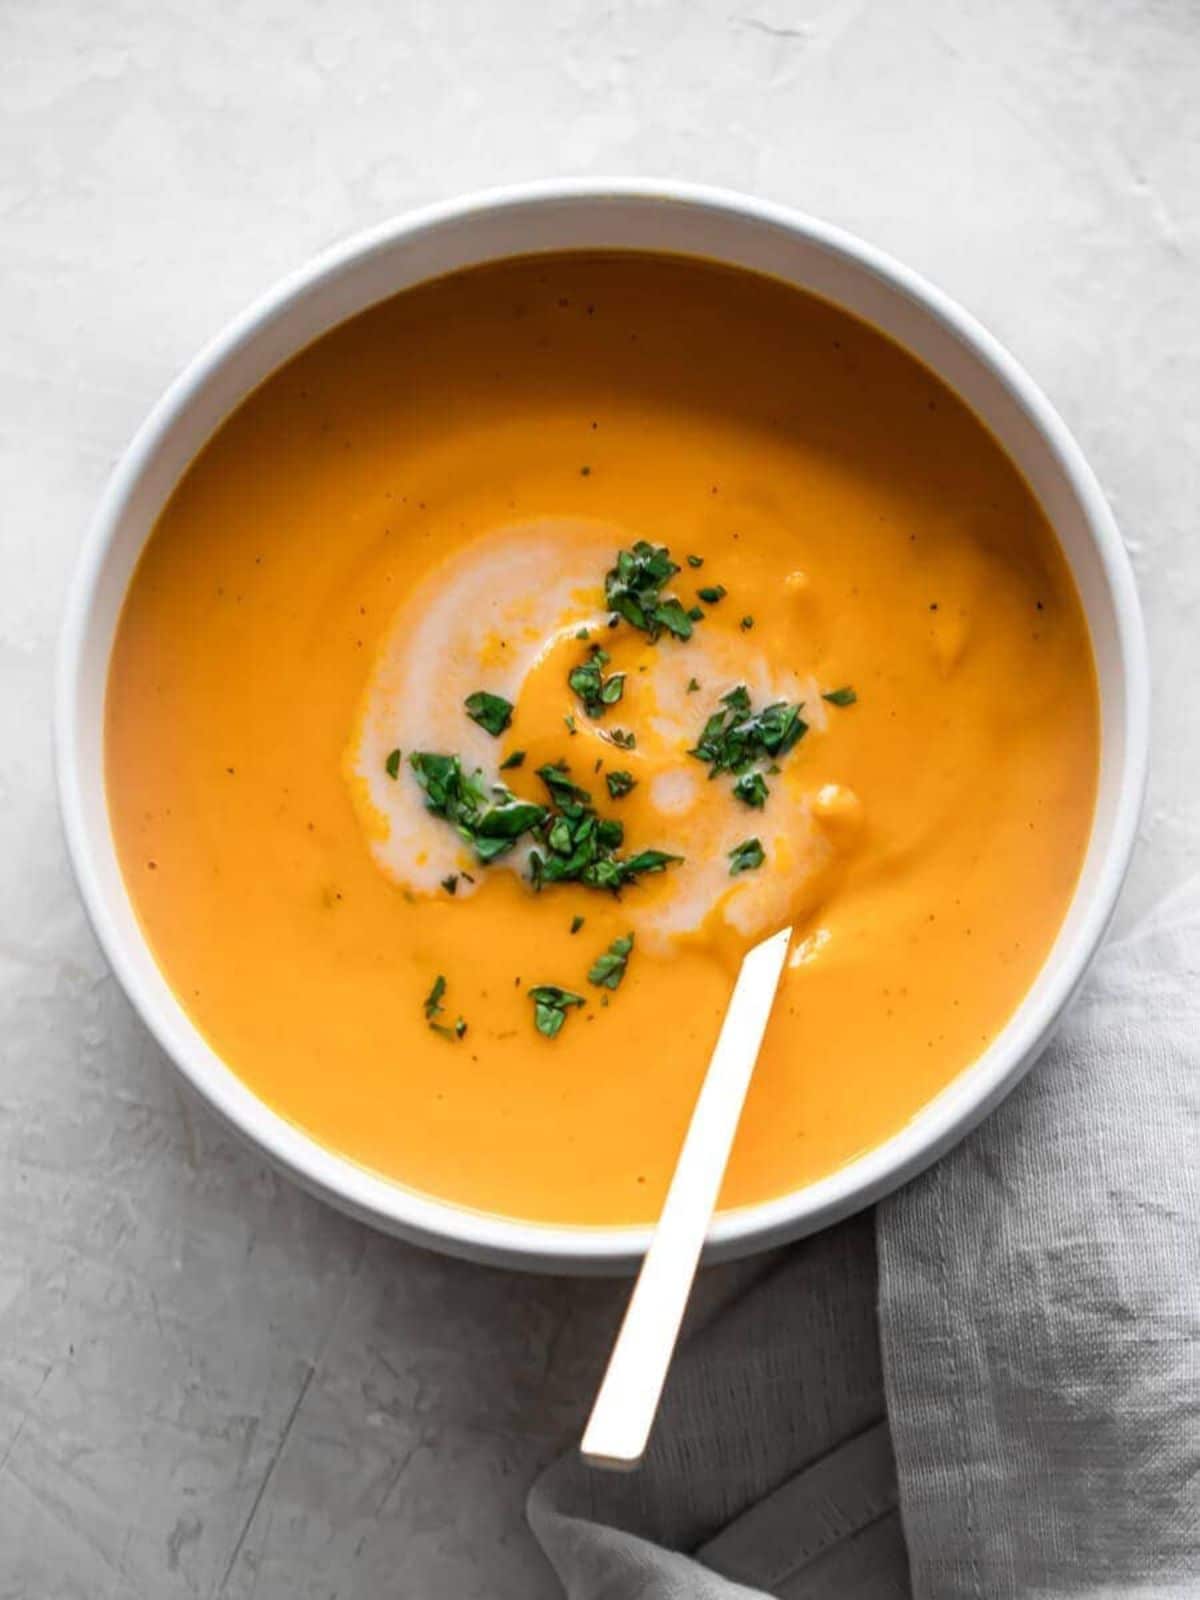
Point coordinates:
[(210, 1385)]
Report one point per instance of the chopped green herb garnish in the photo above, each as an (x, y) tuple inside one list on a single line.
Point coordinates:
[(582, 633), (752, 788), (841, 697), (433, 1000), (562, 791), (623, 738), (450, 884), (576, 924), (692, 686), (712, 593), (633, 590), (595, 690), (569, 723), (575, 845), (491, 711), (745, 857), (746, 624), (695, 561), (433, 1008), (456, 1032), (695, 614), (492, 827), (517, 759), (675, 619), (550, 1007), (734, 738), (649, 861), (607, 970), (619, 783), (392, 764)]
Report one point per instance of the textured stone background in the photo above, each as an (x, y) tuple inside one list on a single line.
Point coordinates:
[(210, 1385)]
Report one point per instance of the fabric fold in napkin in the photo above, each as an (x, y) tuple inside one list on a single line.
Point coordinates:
[(1039, 1316)]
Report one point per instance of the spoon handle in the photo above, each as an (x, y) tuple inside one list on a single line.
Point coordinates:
[(628, 1399)]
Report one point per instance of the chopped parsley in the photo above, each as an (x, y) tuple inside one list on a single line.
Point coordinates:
[(624, 739), (433, 1010), (607, 970), (562, 791), (692, 686), (517, 759), (746, 857), (633, 590), (751, 787), (695, 614), (746, 624), (491, 711), (734, 738), (550, 1007), (712, 592), (433, 1000), (575, 845), (841, 697), (595, 690), (619, 783), (576, 924), (450, 884), (392, 764), (456, 1032), (695, 561), (492, 826)]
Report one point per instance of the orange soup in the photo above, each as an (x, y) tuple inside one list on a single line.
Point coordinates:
[(532, 644)]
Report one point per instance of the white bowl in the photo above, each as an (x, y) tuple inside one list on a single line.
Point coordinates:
[(573, 215)]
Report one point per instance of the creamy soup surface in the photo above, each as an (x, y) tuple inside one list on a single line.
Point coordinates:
[(532, 644)]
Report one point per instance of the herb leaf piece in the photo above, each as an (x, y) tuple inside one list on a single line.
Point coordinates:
[(619, 783), (517, 759), (562, 791), (751, 788), (841, 697), (712, 592), (695, 561), (550, 1007), (492, 712), (649, 861), (746, 857), (392, 764), (672, 616), (454, 1033), (595, 690), (433, 1000), (607, 970)]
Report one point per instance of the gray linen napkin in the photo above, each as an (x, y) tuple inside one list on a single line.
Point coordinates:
[(1039, 1312)]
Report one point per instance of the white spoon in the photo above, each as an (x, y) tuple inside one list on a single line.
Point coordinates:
[(623, 1414)]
